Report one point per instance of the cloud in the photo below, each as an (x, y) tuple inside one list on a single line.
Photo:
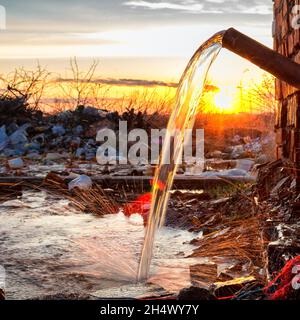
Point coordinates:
[(57, 39), (166, 5), (205, 6), (129, 82)]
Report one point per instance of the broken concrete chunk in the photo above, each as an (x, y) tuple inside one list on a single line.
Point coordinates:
[(53, 156), (16, 163)]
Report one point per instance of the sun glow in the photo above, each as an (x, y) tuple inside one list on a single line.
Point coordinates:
[(221, 99), (224, 101)]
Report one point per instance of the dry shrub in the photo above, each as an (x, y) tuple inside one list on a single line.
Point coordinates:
[(203, 275), (10, 191), (95, 200), (239, 240)]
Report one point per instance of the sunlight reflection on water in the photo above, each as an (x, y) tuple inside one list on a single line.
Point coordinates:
[(47, 248)]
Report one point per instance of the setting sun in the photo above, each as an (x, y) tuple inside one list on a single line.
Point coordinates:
[(221, 99), (224, 101)]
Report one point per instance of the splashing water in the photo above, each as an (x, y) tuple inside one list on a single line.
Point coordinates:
[(187, 104), (50, 249)]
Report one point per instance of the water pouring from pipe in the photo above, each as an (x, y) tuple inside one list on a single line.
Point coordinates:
[(187, 103), (188, 100)]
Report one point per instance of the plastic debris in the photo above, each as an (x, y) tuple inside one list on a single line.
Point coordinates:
[(19, 137), (286, 283), (83, 182)]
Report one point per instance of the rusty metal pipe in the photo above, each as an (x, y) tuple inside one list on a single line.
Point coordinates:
[(269, 60)]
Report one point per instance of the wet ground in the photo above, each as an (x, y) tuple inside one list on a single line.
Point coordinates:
[(48, 248)]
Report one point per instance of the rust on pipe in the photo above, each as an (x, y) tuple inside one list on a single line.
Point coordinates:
[(269, 60)]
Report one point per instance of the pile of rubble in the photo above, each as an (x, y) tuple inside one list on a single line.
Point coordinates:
[(30, 140), (237, 155), (256, 147), (71, 132), (278, 192), (61, 138), (274, 202)]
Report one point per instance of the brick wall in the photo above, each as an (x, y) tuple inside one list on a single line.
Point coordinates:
[(287, 42)]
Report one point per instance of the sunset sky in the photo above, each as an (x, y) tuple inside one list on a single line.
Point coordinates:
[(149, 39)]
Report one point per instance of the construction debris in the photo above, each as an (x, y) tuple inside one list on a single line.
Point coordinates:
[(82, 182), (16, 163)]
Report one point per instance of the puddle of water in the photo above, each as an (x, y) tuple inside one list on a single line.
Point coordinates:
[(47, 248)]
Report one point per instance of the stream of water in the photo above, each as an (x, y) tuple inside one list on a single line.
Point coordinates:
[(188, 104)]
